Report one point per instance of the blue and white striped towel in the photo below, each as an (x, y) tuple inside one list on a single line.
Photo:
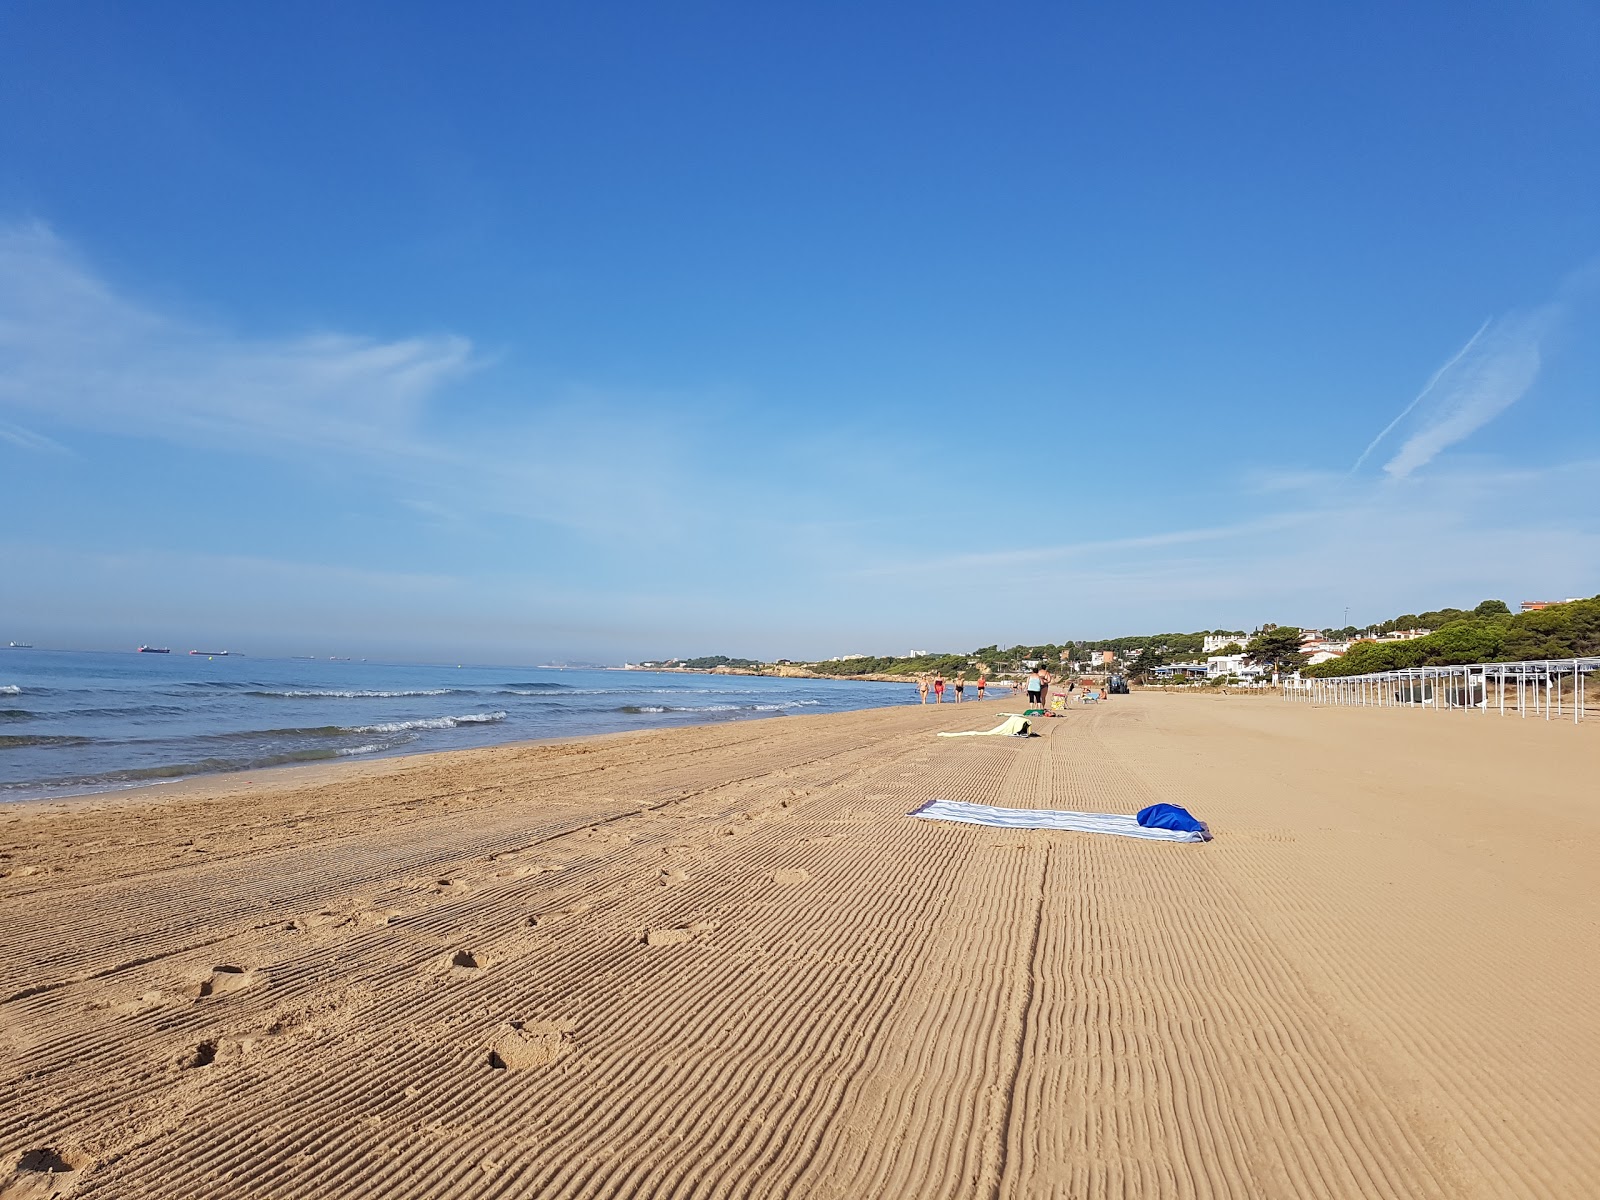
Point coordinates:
[(1045, 818)]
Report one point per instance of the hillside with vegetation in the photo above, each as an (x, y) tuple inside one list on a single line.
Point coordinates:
[(1145, 650), (1487, 633)]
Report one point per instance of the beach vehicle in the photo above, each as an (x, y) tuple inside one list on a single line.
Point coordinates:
[(155, 650), (210, 653)]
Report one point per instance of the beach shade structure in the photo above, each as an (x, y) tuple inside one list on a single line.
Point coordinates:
[(1012, 726), (1116, 824), (1557, 689)]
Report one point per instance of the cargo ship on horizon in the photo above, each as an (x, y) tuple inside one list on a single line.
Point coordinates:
[(210, 653), (155, 650)]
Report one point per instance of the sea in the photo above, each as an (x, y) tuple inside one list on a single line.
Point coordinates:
[(76, 722)]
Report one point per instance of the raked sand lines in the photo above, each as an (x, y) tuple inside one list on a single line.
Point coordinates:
[(723, 961)]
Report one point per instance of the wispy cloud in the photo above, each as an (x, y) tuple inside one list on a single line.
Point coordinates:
[(74, 350), (1489, 374), (77, 352), (27, 439), (1036, 558)]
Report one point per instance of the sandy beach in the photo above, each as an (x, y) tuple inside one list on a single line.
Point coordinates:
[(723, 961)]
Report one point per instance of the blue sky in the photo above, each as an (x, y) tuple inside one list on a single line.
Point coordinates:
[(586, 331)]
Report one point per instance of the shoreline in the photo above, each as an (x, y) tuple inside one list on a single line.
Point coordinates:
[(315, 771), (20, 793), (335, 766)]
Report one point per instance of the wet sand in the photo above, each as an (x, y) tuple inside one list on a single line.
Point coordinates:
[(723, 961)]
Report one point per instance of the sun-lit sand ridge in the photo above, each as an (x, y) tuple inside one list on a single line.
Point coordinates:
[(722, 961)]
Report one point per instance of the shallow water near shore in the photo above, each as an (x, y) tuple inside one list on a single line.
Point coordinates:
[(74, 722)]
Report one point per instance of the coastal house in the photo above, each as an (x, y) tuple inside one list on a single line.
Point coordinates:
[(1231, 664), (1217, 642), (1176, 671)]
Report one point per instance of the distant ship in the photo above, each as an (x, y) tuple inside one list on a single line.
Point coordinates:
[(22, 645), (210, 653), (154, 650)]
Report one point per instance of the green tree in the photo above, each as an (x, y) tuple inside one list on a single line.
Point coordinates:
[(1278, 647), (1490, 608)]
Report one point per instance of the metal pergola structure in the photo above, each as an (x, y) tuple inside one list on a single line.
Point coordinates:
[(1552, 688)]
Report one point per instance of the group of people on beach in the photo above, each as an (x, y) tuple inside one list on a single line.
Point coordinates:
[(937, 683)]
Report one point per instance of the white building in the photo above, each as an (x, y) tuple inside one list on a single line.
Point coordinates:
[(1232, 664), (1221, 641)]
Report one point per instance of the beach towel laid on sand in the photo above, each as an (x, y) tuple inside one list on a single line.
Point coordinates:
[(1010, 727), (1046, 818)]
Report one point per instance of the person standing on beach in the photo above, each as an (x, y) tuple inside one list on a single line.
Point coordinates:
[(938, 688), (1044, 686), (980, 687), (961, 684), (922, 687), (1033, 689)]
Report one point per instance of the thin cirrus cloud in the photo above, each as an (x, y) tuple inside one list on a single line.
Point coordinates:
[(1490, 373), (78, 353), (75, 352)]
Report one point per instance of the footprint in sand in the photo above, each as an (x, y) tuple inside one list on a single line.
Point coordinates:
[(674, 875), (226, 978), (677, 935), (42, 1173), (215, 1052), (450, 887), (519, 1045), (790, 875), (557, 915), (464, 964), (147, 1002)]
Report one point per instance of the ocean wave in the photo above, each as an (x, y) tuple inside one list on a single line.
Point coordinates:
[(515, 690), (430, 723), (10, 689), (132, 776), (131, 710), (309, 694), (15, 714), (20, 742), (542, 686), (370, 748), (701, 708)]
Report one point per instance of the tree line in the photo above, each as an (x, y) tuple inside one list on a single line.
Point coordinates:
[(1487, 633)]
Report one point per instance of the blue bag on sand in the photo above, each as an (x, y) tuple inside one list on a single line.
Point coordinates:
[(1169, 816)]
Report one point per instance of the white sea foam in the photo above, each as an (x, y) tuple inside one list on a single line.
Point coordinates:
[(10, 689), (432, 723), (357, 695), (557, 695), (372, 748)]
